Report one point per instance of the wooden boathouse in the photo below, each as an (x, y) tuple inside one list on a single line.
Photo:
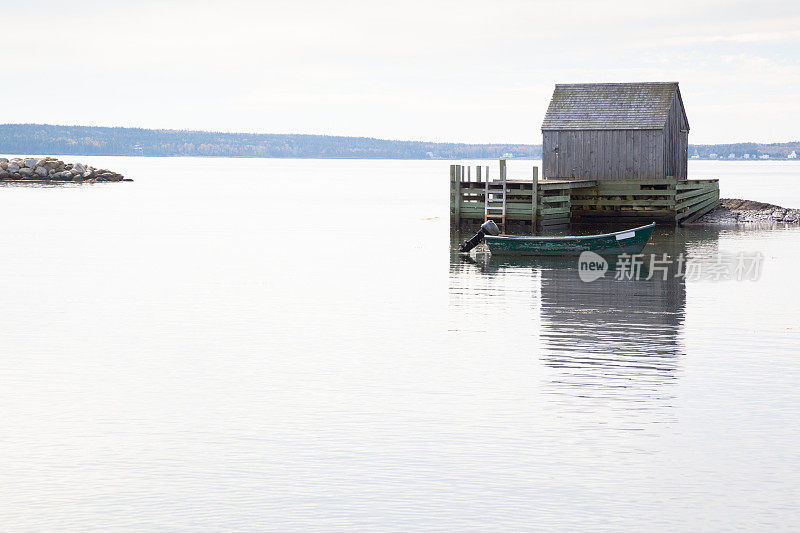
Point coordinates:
[(619, 131), (610, 152)]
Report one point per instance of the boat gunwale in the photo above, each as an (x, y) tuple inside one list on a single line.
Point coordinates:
[(567, 237)]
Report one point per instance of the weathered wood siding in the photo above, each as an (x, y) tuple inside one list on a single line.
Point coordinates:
[(676, 141), (604, 154), (616, 131)]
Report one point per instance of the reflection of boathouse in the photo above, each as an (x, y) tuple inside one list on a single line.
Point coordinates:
[(616, 344), (610, 152), (617, 340), (611, 322)]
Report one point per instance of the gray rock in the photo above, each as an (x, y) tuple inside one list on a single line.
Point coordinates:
[(734, 211), (110, 176), (53, 168)]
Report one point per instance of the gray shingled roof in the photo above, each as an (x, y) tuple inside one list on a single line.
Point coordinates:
[(609, 106)]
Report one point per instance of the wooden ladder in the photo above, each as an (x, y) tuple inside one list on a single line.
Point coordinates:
[(495, 199)]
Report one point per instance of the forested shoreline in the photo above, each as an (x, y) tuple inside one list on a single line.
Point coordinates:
[(95, 140)]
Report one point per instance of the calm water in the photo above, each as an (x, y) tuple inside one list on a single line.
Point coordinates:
[(294, 345)]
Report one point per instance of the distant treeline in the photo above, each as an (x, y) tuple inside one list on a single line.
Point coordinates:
[(45, 139), (91, 140), (790, 150)]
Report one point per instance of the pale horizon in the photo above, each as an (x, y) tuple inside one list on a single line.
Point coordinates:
[(438, 72)]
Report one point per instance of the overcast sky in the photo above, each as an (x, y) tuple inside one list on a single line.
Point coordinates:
[(443, 71)]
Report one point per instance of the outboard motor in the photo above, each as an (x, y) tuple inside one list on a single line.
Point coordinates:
[(487, 228)]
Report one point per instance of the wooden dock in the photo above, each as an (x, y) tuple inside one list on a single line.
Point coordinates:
[(535, 203)]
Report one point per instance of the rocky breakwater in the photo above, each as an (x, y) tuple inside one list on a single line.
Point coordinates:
[(735, 211), (52, 169)]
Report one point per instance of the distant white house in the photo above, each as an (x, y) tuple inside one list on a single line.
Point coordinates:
[(793, 155), (731, 156), (746, 156), (764, 156), (713, 156), (507, 155)]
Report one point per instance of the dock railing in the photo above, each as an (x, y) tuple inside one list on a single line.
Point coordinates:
[(535, 203)]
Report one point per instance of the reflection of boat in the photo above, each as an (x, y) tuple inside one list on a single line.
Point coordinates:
[(630, 241)]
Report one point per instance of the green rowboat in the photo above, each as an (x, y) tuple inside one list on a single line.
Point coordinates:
[(630, 241)]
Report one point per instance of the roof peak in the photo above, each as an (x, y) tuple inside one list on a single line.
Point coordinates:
[(619, 83), (606, 106)]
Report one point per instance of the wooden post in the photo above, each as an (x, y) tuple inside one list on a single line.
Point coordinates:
[(534, 198), (673, 181), (459, 173), (469, 174), (486, 193), (486, 200), (502, 170), (478, 174), (453, 198)]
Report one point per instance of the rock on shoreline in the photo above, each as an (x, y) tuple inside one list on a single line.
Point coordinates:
[(735, 211), (52, 169)]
